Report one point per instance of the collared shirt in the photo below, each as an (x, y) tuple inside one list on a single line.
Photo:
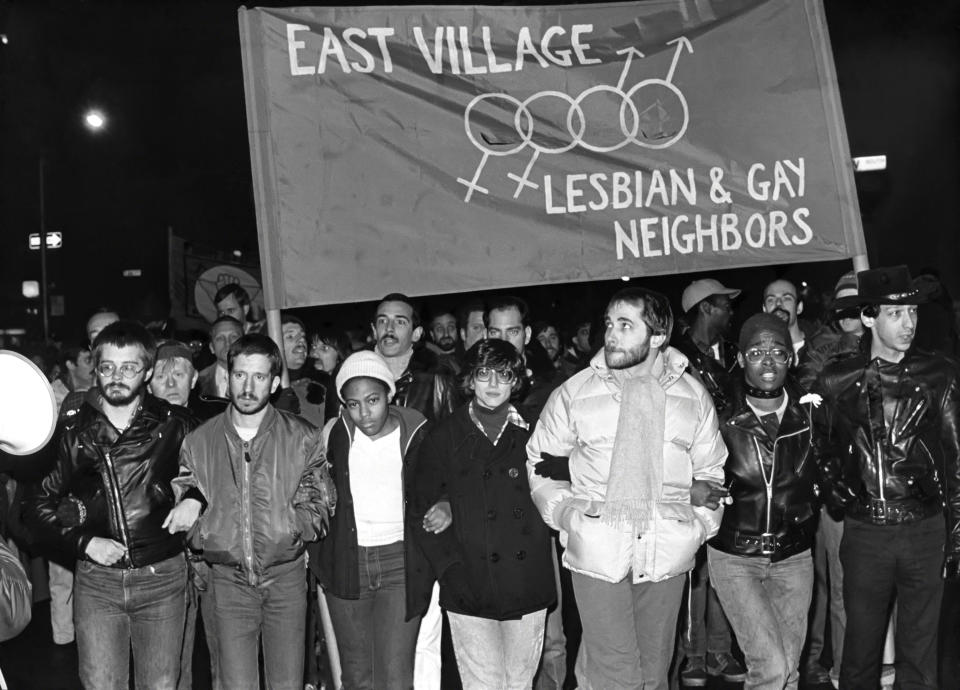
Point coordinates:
[(221, 382), (512, 417), (780, 410)]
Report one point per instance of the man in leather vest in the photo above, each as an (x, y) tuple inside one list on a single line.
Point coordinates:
[(890, 434)]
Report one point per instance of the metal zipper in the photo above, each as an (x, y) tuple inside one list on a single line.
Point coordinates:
[(246, 508), (118, 506), (766, 481)]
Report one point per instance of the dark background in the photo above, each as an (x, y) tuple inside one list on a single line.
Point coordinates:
[(175, 154)]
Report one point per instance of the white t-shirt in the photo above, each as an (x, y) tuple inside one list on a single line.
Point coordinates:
[(376, 483), (245, 433)]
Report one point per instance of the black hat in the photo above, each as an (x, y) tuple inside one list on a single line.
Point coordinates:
[(763, 322), (889, 285)]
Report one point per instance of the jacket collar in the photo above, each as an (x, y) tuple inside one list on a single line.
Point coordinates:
[(410, 421), (266, 424), (147, 417), (795, 417), (668, 367)]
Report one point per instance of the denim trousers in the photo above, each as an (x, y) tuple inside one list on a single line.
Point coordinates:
[(629, 632), (880, 563), (827, 593), (376, 645), (117, 609), (199, 597), (706, 628), (272, 612), (497, 654), (767, 605), (61, 603)]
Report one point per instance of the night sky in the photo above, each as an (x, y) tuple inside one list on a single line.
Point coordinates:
[(175, 153)]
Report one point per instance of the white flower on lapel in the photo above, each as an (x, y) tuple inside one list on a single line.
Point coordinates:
[(813, 398)]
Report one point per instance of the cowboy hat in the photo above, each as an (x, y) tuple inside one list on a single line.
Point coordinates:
[(887, 285)]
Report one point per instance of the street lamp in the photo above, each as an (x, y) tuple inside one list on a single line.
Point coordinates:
[(95, 121)]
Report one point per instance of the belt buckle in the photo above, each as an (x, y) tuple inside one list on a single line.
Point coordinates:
[(768, 543), (878, 508)]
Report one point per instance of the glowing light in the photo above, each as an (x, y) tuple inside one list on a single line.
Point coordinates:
[(95, 120)]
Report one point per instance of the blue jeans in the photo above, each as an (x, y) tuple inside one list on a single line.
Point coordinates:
[(376, 646), (117, 608), (767, 605), (273, 611), (706, 628), (497, 654), (199, 596)]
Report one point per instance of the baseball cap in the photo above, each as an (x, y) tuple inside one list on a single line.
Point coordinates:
[(701, 289)]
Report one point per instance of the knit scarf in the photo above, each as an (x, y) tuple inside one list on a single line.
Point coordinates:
[(636, 468)]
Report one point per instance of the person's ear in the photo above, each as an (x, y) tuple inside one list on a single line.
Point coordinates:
[(196, 377), (741, 361), (799, 307), (658, 340), (527, 333), (275, 385), (417, 334)]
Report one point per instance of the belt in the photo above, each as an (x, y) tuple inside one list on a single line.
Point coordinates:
[(879, 511), (768, 543)]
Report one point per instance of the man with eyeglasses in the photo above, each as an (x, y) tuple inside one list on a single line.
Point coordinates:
[(637, 429), (118, 456), (890, 433), (760, 561)]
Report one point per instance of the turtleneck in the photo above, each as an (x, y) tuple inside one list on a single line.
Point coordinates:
[(492, 420)]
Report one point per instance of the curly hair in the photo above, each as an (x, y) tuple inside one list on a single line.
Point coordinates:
[(492, 354)]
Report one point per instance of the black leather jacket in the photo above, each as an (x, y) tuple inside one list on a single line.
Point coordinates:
[(778, 522), (426, 387), (716, 376), (891, 433), (122, 479)]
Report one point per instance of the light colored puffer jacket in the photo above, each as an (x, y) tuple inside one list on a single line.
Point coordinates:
[(580, 422)]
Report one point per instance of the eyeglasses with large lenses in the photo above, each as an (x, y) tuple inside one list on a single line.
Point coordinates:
[(755, 355), (127, 370), (503, 375)]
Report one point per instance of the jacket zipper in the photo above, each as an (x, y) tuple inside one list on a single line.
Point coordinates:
[(767, 482), (245, 509), (118, 505)]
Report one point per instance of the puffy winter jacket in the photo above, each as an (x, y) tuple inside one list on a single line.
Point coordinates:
[(580, 421)]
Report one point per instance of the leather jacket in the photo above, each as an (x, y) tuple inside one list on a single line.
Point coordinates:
[(778, 521), (124, 477), (715, 375), (891, 433), (426, 387)]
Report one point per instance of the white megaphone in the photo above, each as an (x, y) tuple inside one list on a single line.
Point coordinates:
[(28, 409)]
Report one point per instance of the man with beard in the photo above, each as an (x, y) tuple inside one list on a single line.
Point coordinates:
[(122, 452), (421, 383), (258, 476), (782, 299), (890, 431), (708, 308), (444, 340), (637, 429)]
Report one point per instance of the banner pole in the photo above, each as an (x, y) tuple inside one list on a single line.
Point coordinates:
[(860, 262)]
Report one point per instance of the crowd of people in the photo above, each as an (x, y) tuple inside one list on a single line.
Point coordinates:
[(463, 478)]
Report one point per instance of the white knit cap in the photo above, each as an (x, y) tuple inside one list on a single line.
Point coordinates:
[(365, 363)]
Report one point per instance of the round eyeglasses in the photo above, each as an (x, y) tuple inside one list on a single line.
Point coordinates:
[(487, 373), (755, 355)]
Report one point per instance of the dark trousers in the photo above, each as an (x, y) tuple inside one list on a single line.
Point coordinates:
[(880, 563)]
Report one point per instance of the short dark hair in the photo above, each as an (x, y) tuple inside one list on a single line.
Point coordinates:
[(492, 353), (504, 302), (464, 309), (256, 344), (338, 340), (70, 353), (226, 319), (400, 297), (124, 334), (654, 309), (540, 326), (290, 318), (232, 290)]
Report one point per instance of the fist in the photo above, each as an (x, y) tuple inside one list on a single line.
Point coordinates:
[(183, 516), (438, 518)]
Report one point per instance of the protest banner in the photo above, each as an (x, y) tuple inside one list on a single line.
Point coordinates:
[(454, 148)]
